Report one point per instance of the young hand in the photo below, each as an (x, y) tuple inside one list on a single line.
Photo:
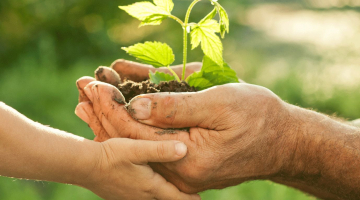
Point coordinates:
[(122, 171), (115, 169)]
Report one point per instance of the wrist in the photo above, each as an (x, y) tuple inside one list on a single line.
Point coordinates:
[(322, 151), (301, 145), (88, 159)]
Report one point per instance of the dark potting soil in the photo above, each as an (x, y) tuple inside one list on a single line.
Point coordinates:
[(131, 89)]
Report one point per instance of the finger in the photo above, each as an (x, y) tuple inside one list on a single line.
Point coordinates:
[(170, 173), (144, 151), (107, 75), (81, 113), (80, 84), (111, 112), (139, 72), (169, 192), (176, 110), (131, 70), (108, 105), (85, 112)]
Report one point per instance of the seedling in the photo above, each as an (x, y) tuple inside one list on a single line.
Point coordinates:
[(214, 70)]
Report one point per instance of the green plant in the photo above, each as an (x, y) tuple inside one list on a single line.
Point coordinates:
[(214, 70)]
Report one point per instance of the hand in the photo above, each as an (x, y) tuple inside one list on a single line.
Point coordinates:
[(115, 169), (250, 134), (121, 70), (152, 186), (234, 139), (122, 172)]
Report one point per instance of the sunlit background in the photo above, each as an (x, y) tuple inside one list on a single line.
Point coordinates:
[(306, 51)]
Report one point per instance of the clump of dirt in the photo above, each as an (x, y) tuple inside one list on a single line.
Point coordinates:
[(172, 131), (131, 89)]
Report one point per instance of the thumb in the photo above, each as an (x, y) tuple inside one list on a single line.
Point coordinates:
[(179, 110), (144, 151)]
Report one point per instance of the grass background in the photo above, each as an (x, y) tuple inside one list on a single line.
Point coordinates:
[(306, 51)]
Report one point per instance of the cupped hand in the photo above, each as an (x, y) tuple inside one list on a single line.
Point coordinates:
[(121, 170), (118, 71), (237, 131)]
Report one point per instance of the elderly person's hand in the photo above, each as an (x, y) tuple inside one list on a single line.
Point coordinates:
[(238, 132)]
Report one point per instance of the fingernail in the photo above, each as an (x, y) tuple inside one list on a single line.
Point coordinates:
[(118, 97), (180, 148), (80, 112), (140, 108)]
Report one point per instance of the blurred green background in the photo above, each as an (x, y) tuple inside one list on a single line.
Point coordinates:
[(306, 51)]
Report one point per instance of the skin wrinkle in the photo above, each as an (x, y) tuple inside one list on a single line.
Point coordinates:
[(222, 112), (295, 141), (277, 135), (193, 137)]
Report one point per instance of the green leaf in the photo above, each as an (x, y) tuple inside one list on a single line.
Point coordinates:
[(211, 45), (196, 36), (142, 10), (209, 16), (212, 74), (210, 25), (149, 13), (157, 77), (155, 19), (224, 19), (156, 54), (167, 5)]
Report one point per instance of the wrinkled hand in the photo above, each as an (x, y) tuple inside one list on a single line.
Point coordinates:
[(121, 70), (122, 171), (235, 136)]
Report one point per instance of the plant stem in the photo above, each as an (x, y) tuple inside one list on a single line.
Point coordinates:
[(177, 19), (185, 36), (184, 53), (172, 71)]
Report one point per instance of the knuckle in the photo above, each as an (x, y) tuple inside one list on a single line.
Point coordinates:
[(168, 110), (152, 187), (149, 189), (161, 152), (134, 151)]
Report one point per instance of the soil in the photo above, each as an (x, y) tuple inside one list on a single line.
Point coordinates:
[(131, 89), (172, 131)]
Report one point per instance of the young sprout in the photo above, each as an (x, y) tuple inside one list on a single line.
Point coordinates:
[(214, 70)]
